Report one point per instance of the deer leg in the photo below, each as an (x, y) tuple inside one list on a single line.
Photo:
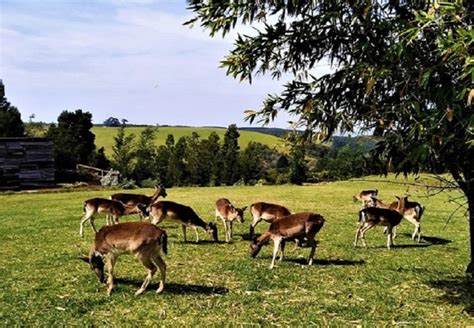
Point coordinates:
[(282, 249), (357, 236), (419, 230), (312, 243), (110, 262), (158, 261), (184, 233), (389, 236), (224, 223), (197, 234), (147, 262), (231, 229), (276, 248), (83, 221), (363, 231), (254, 223)]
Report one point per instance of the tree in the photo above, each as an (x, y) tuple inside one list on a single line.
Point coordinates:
[(73, 141), (297, 163), (162, 161), (251, 162), (101, 161), (123, 152), (402, 69), (112, 121), (230, 154), (145, 152), (11, 124)]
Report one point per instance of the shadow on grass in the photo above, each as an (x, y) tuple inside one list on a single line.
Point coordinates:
[(246, 236), (203, 242), (323, 262), (458, 291), (432, 240), (178, 289)]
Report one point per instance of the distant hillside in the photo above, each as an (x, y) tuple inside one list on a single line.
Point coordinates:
[(104, 136), (278, 132)]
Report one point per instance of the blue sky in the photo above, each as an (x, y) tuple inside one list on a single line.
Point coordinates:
[(127, 59)]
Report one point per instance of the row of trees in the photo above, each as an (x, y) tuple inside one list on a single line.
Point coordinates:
[(192, 160)]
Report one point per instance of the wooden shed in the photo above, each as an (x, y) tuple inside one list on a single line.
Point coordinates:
[(26, 163)]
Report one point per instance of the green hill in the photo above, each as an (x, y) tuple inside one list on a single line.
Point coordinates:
[(104, 136)]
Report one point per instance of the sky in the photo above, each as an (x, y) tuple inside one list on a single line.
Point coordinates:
[(129, 59)]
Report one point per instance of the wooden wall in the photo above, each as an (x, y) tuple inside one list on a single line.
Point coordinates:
[(26, 163)]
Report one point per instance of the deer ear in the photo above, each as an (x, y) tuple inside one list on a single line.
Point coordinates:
[(84, 258), (397, 197)]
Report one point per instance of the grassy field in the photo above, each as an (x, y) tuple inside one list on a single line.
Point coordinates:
[(104, 136), (43, 283)]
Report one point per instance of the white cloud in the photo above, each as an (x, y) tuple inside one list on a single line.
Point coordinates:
[(110, 65)]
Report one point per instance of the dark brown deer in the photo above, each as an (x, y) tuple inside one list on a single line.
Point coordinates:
[(134, 199), (412, 212), (229, 213), (142, 239), (182, 214), (372, 216), (267, 212), (365, 196), (111, 208), (294, 226)]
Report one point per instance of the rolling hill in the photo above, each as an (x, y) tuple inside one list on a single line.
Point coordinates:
[(104, 136)]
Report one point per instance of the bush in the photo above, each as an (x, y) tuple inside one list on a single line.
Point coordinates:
[(149, 183)]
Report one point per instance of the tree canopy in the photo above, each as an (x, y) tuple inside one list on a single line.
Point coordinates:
[(403, 70)]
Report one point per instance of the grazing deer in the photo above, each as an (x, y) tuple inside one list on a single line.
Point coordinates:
[(134, 199), (112, 208), (412, 212), (299, 225), (184, 215), (365, 196), (267, 212), (229, 213), (371, 216), (142, 239)]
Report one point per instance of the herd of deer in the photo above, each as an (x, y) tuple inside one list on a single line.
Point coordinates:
[(146, 240)]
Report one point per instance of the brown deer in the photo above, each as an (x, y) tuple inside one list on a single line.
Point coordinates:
[(229, 213), (294, 226), (412, 212), (267, 212), (182, 214), (371, 216), (142, 239), (134, 199), (365, 196), (112, 208)]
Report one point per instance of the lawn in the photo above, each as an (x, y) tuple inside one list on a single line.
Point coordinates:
[(43, 282), (104, 136)]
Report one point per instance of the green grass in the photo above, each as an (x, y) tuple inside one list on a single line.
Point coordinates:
[(43, 282), (104, 136)]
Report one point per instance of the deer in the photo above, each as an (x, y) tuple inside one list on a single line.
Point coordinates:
[(412, 212), (365, 196), (182, 214), (142, 239), (112, 208), (294, 226), (370, 217), (267, 212), (134, 199), (228, 213)]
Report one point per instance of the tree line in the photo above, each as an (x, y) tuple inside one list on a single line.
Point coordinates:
[(192, 160)]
